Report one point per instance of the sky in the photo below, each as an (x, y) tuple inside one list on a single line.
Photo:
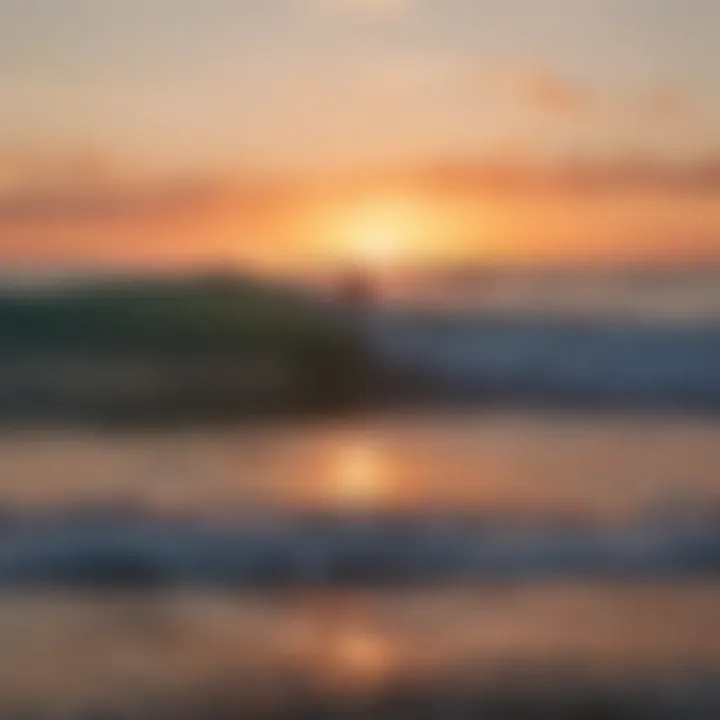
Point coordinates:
[(165, 120)]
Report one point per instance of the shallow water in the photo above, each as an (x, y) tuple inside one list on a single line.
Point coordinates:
[(80, 651), (595, 466), (631, 481)]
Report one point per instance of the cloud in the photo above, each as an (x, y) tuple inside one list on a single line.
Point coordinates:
[(666, 104), (554, 94), (168, 220), (22, 167), (368, 8), (86, 186)]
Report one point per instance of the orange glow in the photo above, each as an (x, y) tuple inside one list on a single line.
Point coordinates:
[(382, 224), (359, 656), (359, 474), (383, 230)]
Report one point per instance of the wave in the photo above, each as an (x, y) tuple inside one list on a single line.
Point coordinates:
[(113, 548), (552, 359)]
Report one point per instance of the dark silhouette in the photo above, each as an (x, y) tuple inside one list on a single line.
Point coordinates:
[(355, 288)]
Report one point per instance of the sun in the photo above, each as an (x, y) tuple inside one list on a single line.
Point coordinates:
[(378, 232), (386, 230)]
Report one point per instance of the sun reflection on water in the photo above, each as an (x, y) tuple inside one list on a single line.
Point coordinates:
[(339, 641), (359, 657), (359, 474)]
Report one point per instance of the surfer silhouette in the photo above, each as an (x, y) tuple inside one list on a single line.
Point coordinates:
[(355, 288)]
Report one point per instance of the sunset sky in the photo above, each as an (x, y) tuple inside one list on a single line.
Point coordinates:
[(283, 131)]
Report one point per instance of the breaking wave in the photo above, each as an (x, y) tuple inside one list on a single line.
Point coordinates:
[(114, 548)]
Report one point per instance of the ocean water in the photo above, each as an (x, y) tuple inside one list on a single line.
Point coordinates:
[(208, 655), (269, 570), (669, 292), (593, 466)]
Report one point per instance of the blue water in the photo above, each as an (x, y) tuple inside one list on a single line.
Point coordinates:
[(385, 499), (530, 358), (112, 549)]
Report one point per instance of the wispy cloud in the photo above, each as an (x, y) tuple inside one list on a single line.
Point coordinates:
[(666, 105), (555, 94)]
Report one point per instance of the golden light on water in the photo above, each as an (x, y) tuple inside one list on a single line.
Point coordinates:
[(339, 638), (359, 474), (359, 656)]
